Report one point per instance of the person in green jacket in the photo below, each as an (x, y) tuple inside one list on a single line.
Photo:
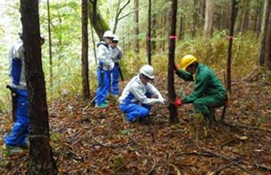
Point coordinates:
[(209, 92)]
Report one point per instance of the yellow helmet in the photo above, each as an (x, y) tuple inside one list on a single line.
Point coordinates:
[(187, 60)]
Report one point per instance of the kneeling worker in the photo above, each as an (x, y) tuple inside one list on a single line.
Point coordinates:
[(209, 92), (139, 95)]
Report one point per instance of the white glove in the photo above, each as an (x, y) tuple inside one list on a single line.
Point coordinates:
[(162, 101), (111, 66)]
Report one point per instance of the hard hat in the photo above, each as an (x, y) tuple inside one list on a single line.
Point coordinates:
[(116, 38), (147, 70), (187, 60), (108, 34)]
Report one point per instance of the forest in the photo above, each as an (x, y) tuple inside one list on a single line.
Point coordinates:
[(67, 131)]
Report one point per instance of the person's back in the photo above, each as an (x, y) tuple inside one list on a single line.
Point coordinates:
[(17, 65), (213, 83)]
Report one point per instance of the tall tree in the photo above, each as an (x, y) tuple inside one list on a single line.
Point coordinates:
[(209, 15), (148, 38), (85, 74), (41, 160), (118, 12), (173, 113), (50, 45), (136, 28), (96, 19), (265, 58), (234, 10)]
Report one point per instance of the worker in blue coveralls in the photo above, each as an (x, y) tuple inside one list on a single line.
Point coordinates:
[(139, 95), (116, 55), (16, 141), (104, 68)]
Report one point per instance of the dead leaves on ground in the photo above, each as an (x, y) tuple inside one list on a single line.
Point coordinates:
[(97, 141)]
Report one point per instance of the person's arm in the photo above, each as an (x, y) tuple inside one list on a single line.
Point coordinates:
[(154, 91), (140, 96), (200, 87), (184, 75)]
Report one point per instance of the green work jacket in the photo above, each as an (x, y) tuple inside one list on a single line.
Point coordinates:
[(206, 83)]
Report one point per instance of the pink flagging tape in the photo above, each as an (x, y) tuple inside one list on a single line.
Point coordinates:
[(172, 37), (230, 37)]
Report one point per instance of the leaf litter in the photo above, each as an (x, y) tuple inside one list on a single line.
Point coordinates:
[(87, 140)]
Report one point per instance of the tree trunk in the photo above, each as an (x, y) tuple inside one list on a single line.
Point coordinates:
[(268, 46), (226, 15), (154, 27), (50, 46), (41, 160), (149, 34), (245, 16), (173, 113), (233, 17), (264, 32), (195, 18), (182, 27), (94, 45), (209, 15), (96, 19), (136, 28), (85, 75)]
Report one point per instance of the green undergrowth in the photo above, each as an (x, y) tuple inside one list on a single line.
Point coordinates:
[(211, 51)]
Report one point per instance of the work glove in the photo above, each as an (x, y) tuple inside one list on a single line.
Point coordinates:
[(178, 101), (111, 66), (175, 67), (162, 101)]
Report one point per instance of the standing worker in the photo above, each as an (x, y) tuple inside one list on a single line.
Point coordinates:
[(139, 95), (116, 55), (104, 68), (209, 92), (16, 141)]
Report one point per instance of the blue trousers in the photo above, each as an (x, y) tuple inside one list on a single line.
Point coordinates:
[(102, 90), (134, 111), (20, 130), (114, 84)]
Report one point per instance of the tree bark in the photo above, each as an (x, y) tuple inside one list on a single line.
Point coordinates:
[(96, 19), (41, 160), (245, 16), (136, 28), (148, 38), (233, 17), (84, 57), (50, 46), (173, 113), (209, 15), (264, 32), (195, 18)]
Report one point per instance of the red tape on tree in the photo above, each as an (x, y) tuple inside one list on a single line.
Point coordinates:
[(230, 37), (172, 37)]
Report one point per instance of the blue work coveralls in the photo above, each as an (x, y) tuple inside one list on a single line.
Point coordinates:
[(20, 130), (103, 71), (116, 55), (136, 99)]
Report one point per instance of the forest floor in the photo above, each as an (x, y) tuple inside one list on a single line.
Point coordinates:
[(87, 140)]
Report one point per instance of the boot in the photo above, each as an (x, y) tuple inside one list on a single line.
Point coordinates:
[(212, 121)]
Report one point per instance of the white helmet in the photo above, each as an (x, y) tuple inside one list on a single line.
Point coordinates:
[(108, 34), (147, 70), (116, 38)]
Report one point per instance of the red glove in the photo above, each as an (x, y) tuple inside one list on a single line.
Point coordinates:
[(176, 67), (178, 101)]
